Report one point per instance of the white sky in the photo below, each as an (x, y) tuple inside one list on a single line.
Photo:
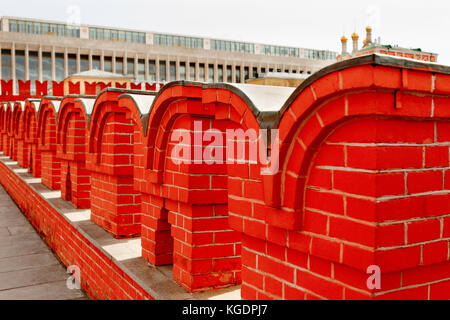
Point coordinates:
[(311, 24)]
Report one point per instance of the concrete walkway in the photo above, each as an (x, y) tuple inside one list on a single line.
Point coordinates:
[(28, 268)]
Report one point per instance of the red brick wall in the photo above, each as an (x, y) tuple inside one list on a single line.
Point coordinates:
[(100, 277), (362, 183), (188, 200), (115, 204), (34, 156), (364, 160), (6, 144), (7, 132), (29, 124), (22, 153), (14, 146), (71, 150), (76, 184), (382, 188), (2, 123), (50, 163)]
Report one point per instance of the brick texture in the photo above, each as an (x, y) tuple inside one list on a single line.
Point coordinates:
[(115, 204), (363, 180), (46, 144), (72, 130)]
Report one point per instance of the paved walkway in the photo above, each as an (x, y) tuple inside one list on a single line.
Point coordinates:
[(28, 268)]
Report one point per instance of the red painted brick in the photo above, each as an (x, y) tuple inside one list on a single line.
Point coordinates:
[(390, 235), (425, 181), (253, 278), (330, 155), (440, 290), (361, 209), (417, 80), (388, 184), (299, 241), (436, 156), (325, 249), (399, 131), (366, 129), (352, 231), (325, 201), (332, 111), (425, 230), (320, 266), (443, 131), (297, 258), (399, 157), (442, 83), (435, 252), (361, 157), (357, 257), (320, 286), (398, 259), (400, 209), (354, 182), (426, 274), (320, 178), (441, 107), (273, 287), (291, 293), (277, 269), (315, 222)]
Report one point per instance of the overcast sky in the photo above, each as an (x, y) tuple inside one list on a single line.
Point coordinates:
[(314, 24)]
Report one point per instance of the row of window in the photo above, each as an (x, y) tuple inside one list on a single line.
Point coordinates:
[(232, 46), (33, 64), (116, 35), (177, 41), (165, 40), (61, 30), (223, 45), (208, 70), (320, 54), (280, 51), (167, 70)]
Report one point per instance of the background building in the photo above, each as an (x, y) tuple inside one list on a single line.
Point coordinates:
[(280, 79), (371, 47), (98, 76), (52, 51)]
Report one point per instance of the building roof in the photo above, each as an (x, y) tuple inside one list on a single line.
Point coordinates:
[(94, 73), (283, 75)]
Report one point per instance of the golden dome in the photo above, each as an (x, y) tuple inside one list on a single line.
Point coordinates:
[(355, 36), (343, 39), (368, 29)]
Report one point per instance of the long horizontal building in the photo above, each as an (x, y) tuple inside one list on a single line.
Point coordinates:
[(52, 51)]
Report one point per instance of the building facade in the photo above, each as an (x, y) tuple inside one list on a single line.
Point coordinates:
[(52, 51)]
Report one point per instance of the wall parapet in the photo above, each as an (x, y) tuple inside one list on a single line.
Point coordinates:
[(362, 148), (84, 245)]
